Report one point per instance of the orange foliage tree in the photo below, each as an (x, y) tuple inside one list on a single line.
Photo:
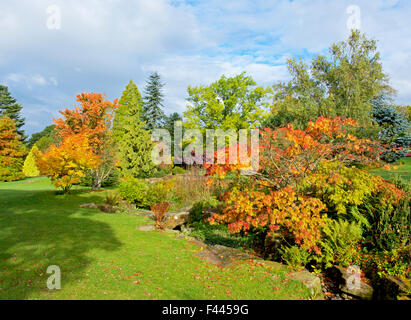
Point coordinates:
[(285, 194), (12, 151), (92, 118), (66, 163)]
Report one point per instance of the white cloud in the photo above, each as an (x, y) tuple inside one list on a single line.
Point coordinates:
[(104, 43)]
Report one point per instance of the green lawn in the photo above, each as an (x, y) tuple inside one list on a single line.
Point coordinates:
[(402, 168), (103, 256)]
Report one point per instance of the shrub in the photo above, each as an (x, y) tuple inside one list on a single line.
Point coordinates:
[(295, 256), (158, 192), (197, 213), (396, 262), (178, 170), (388, 213), (133, 190), (340, 243), (160, 210), (299, 216), (112, 198), (111, 180), (340, 187)]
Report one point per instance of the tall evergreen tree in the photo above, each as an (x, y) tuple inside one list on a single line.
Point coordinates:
[(11, 109), (130, 104), (153, 113), (133, 141), (169, 126)]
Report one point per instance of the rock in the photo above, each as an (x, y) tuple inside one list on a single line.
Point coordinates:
[(220, 255), (348, 280), (108, 208), (390, 287), (89, 205), (272, 243), (147, 227), (310, 280), (174, 220)]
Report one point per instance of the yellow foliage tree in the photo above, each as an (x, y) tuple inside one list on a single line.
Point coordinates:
[(66, 163), (30, 168)]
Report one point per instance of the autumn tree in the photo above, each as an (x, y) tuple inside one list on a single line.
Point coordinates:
[(10, 108), (12, 151), (30, 167), (92, 118), (67, 162), (133, 141)]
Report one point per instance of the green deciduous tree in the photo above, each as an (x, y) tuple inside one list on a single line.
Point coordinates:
[(49, 132), (229, 103), (133, 141), (10, 108), (342, 84), (153, 114), (30, 168)]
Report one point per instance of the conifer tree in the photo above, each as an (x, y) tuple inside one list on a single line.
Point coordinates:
[(30, 168), (130, 104), (10, 108), (153, 113), (394, 127), (133, 141)]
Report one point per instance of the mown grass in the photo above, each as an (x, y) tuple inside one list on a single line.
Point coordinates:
[(103, 256), (401, 168)]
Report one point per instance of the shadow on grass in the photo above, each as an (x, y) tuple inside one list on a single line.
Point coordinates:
[(38, 229)]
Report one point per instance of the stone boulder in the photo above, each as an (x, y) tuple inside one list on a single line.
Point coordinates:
[(390, 288), (349, 282), (221, 255), (174, 220), (311, 281), (89, 205)]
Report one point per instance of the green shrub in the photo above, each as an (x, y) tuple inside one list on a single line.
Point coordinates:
[(158, 192), (197, 213), (111, 180), (133, 190), (295, 256), (340, 243), (178, 170), (113, 198), (389, 221), (396, 262)]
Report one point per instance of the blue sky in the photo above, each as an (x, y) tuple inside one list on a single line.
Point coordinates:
[(102, 44)]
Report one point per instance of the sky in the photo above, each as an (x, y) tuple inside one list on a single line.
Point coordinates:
[(52, 50)]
